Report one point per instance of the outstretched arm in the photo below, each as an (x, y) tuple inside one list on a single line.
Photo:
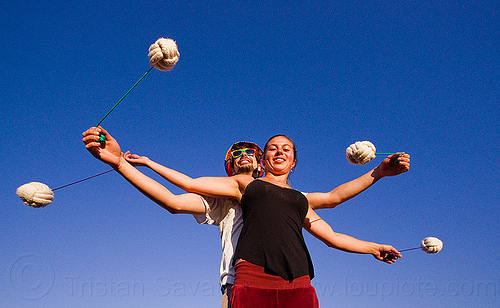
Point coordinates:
[(351, 189), (110, 153), (322, 231), (188, 203), (175, 177), (211, 186)]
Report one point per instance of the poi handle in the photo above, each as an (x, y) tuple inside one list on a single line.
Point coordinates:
[(102, 138), (391, 255), (395, 160)]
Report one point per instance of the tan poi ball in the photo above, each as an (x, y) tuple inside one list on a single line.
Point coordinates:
[(163, 54), (431, 245), (35, 194), (360, 152)]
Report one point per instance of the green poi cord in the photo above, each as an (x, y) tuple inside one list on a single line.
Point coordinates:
[(102, 138)]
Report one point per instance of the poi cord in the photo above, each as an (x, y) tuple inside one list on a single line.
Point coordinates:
[(102, 138), (391, 255), (90, 177), (410, 249)]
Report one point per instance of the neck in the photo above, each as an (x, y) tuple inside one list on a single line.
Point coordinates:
[(245, 173), (281, 180)]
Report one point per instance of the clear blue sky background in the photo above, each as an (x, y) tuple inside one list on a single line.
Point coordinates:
[(414, 76)]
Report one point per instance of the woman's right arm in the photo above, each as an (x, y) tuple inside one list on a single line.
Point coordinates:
[(110, 154)]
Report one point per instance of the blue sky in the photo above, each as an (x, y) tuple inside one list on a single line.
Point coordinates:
[(420, 77)]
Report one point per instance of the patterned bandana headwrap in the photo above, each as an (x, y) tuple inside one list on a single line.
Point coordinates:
[(241, 144)]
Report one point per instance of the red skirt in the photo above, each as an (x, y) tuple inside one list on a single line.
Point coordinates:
[(255, 289)]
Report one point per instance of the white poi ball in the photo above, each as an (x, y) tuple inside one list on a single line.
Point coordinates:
[(431, 245), (35, 194), (360, 152), (163, 54)]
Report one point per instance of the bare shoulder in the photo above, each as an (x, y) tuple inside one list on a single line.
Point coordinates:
[(243, 180)]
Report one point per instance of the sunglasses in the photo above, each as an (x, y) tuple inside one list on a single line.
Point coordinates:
[(238, 153)]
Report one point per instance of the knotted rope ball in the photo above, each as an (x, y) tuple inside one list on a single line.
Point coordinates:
[(360, 152), (163, 54), (431, 245), (35, 194)]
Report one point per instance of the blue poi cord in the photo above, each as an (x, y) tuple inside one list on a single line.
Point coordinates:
[(83, 180)]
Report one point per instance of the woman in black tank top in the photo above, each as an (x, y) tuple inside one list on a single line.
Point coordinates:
[(272, 263), (273, 266)]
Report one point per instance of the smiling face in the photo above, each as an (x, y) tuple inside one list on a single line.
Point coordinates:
[(279, 155), (237, 162), (245, 163)]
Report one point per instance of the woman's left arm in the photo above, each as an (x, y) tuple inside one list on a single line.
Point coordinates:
[(322, 231)]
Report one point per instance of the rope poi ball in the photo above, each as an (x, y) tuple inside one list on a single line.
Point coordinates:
[(429, 245), (35, 194), (163, 54), (362, 152)]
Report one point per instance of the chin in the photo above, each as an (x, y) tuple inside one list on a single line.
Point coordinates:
[(245, 169)]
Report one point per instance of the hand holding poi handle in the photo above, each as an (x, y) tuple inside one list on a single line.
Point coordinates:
[(109, 153), (394, 164)]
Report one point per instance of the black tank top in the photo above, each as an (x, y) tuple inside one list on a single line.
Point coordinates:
[(272, 230)]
